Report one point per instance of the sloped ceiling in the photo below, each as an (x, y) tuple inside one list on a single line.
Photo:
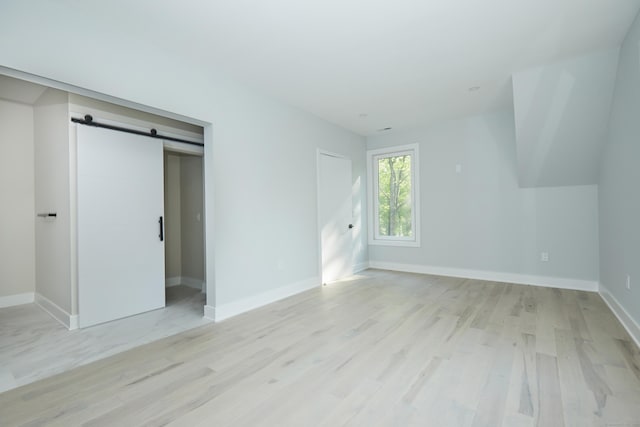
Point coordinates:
[(561, 117)]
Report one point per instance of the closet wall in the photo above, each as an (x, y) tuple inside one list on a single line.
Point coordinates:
[(53, 264), (17, 237), (183, 205), (191, 200), (172, 224)]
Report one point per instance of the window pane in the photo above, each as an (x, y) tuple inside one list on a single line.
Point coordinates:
[(394, 196)]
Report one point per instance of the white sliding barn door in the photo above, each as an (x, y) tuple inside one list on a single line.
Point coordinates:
[(120, 202)]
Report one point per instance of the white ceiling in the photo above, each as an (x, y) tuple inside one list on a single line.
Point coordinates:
[(403, 63)]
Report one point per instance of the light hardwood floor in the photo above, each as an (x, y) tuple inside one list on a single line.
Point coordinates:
[(385, 348)]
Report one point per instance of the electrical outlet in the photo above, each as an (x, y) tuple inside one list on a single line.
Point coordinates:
[(628, 282), (544, 256), (458, 168)]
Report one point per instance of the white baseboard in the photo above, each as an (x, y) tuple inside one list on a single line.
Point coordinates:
[(357, 268), (191, 282), (172, 281), (70, 321), (234, 308), (522, 279), (210, 312), (74, 323), (17, 299), (623, 316)]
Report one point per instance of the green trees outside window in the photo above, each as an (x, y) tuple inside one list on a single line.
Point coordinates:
[(394, 196), (393, 180)]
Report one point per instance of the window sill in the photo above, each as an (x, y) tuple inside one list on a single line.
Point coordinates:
[(400, 243)]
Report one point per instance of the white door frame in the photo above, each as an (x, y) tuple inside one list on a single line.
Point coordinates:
[(321, 152)]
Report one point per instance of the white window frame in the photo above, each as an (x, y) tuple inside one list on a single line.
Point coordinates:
[(372, 186)]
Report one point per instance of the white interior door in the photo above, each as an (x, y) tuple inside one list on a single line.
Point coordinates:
[(120, 203), (336, 217)]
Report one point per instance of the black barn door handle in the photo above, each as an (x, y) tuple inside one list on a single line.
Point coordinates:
[(161, 230)]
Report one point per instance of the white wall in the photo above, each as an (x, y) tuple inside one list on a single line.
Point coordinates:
[(480, 220), (52, 194), (620, 184), (260, 160), (17, 213), (264, 169)]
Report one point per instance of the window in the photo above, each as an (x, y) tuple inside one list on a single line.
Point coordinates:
[(393, 196)]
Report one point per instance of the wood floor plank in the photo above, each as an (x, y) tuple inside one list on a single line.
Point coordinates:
[(491, 407), (551, 412), (580, 405)]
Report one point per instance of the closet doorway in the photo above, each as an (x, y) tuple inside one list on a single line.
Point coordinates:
[(123, 222), (184, 230)]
